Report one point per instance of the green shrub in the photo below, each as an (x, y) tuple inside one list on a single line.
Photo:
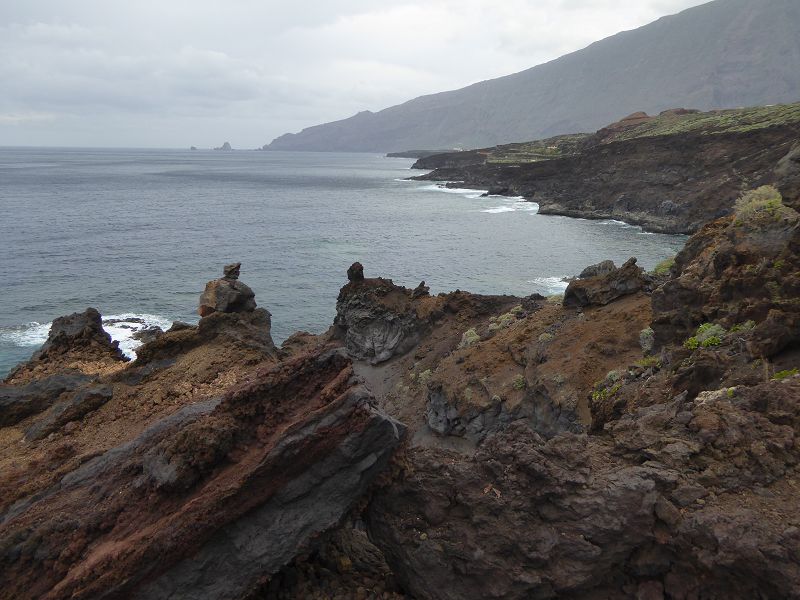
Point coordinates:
[(555, 299), (711, 341), (649, 362), (546, 337), (707, 336), (469, 338), (762, 206), (746, 326), (780, 375), (664, 267), (502, 322), (519, 383), (517, 310)]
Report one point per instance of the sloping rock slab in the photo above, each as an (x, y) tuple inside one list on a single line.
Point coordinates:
[(20, 401), (605, 287), (210, 501)]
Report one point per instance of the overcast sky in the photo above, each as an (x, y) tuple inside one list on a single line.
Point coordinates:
[(172, 73)]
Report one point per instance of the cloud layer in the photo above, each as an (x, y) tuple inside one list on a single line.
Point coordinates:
[(156, 74)]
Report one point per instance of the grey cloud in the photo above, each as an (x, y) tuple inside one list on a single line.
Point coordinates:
[(169, 74)]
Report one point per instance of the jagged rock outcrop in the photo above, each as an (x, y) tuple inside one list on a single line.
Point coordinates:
[(74, 341), (227, 294), (376, 319), (208, 501), (601, 268), (603, 283), (656, 508), (738, 269)]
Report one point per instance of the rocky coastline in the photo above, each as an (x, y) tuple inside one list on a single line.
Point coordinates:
[(666, 183), (637, 438)]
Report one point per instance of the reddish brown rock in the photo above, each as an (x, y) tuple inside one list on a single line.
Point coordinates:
[(208, 501)]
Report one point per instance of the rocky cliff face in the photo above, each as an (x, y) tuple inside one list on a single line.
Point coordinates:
[(666, 183)]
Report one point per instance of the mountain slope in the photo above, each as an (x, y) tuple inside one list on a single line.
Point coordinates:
[(727, 53)]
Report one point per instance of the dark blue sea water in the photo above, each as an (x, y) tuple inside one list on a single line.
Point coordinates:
[(139, 232)]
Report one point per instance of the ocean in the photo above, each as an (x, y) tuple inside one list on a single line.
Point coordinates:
[(137, 234)]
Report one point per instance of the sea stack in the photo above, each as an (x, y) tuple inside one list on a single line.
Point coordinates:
[(227, 294)]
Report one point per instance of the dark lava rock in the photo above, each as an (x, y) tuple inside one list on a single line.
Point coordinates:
[(20, 401), (788, 178), (227, 295), (210, 500), (231, 271), (355, 272), (376, 319), (601, 268), (82, 402), (606, 286), (148, 334), (590, 517), (421, 291), (732, 272), (76, 331)]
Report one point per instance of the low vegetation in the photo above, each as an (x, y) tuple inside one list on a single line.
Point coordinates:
[(469, 338), (761, 207), (707, 336)]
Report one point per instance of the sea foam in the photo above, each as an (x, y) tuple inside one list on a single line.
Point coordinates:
[(120, 327)]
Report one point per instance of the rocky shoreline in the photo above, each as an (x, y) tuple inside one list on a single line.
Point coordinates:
[(671, 183), (637, 438)]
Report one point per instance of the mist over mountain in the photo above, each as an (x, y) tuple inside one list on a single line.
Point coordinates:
[(724, 54)]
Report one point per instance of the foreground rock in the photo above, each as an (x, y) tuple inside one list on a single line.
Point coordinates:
[(209, 501), (654, 510)]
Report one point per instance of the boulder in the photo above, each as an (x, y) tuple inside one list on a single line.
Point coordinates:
[(227, 294), (606, 286), (601, 268)]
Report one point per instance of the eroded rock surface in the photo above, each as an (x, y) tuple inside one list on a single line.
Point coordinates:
[(603, 283), (227, 294), (210, 500)]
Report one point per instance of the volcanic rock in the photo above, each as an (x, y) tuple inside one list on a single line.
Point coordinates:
[(20, 401), (420, 291), (606, 285), (732, 272), (355, 272), (377, 319), (209, 500), (582, 516), (788, 178), (601, 268), (227, 295), (76, 343)]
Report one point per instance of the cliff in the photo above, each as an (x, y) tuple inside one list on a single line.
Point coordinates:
[(670, 173)]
